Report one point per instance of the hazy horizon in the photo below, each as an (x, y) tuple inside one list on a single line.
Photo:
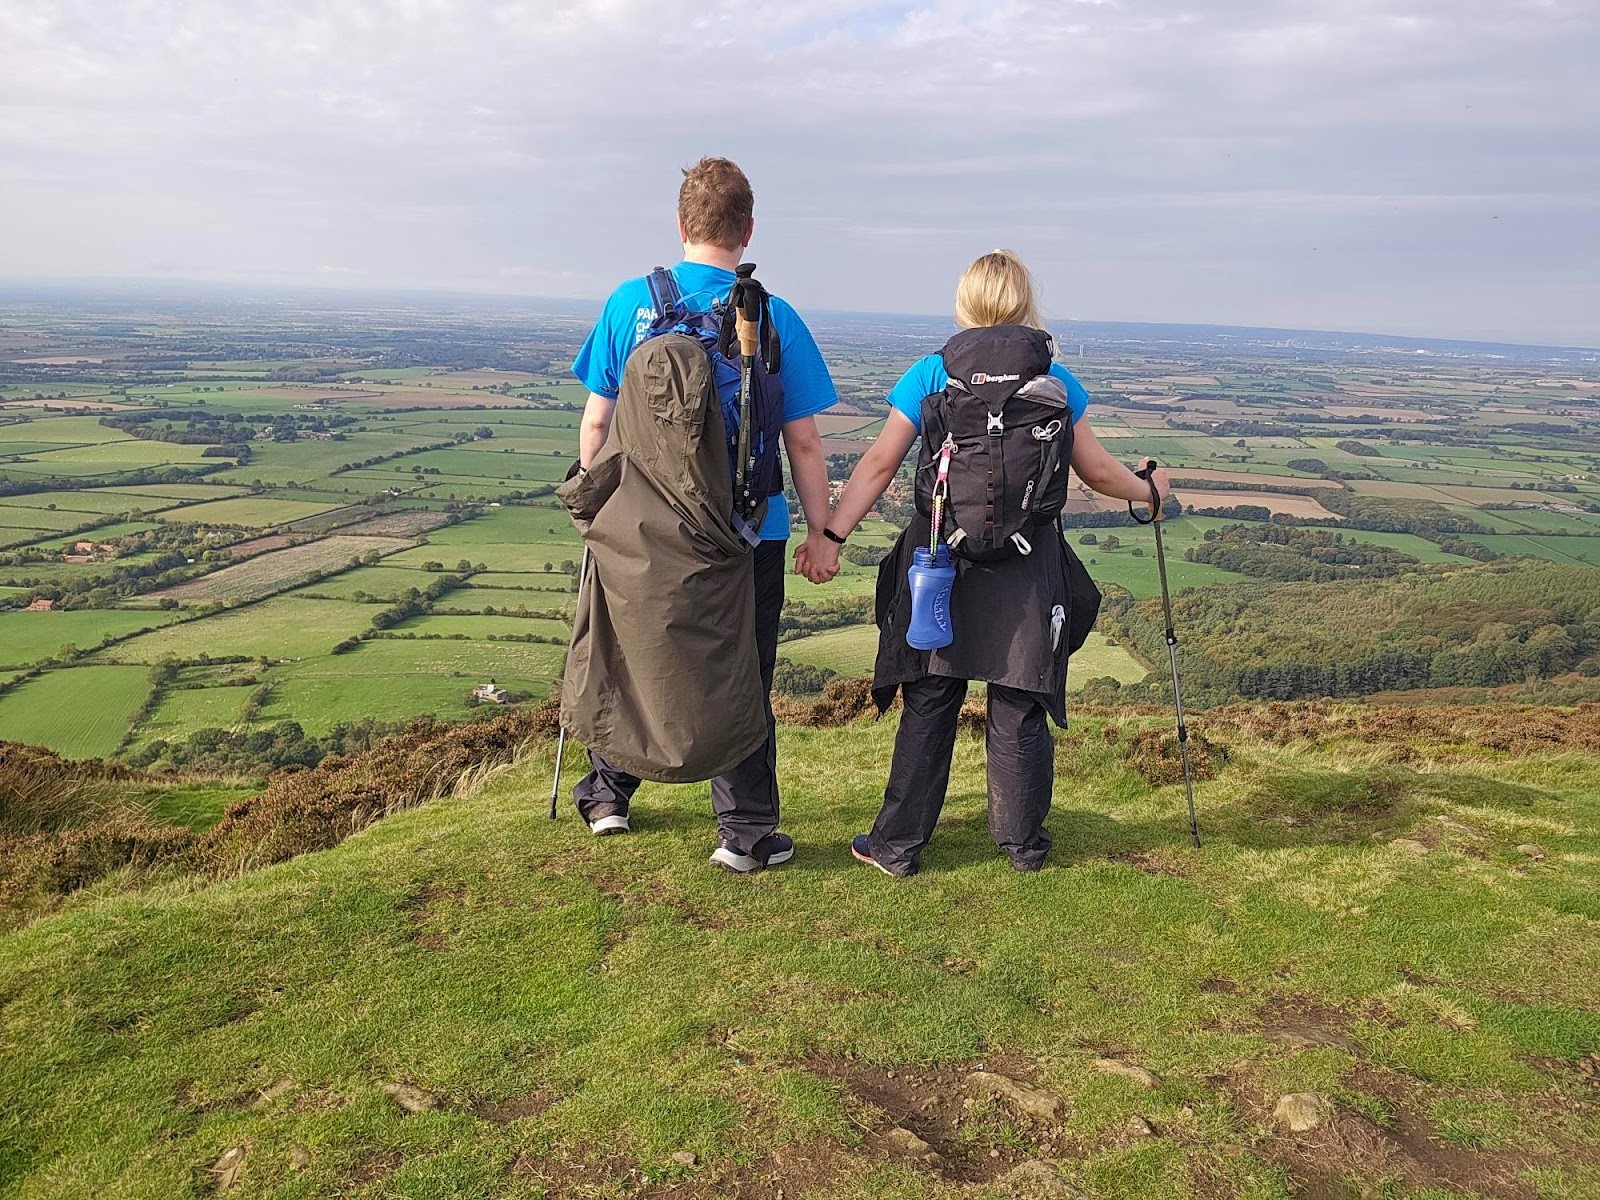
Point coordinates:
[(1426, 167), (583, 308)]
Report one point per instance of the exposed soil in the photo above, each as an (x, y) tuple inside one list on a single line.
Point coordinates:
[(1322, 1162), (975, 1141)]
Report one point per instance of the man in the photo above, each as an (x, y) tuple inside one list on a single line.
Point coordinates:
[(715, 224)]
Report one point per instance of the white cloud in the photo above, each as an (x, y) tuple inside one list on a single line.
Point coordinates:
[(1422, 165)]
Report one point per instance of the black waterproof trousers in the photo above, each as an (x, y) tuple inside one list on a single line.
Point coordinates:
[(1022, 768), (745, 800)]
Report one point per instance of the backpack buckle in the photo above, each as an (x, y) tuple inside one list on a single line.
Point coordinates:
[(997, 424)]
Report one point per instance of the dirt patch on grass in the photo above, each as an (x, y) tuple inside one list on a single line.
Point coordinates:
[(955, 1129), (1325, 1162), (512, 1108), (425, 904)]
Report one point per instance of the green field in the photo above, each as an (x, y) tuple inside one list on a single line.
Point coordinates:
[(251, 512), (849, 652), (181, 711), (282, 627), (78, 711), (29, 637)]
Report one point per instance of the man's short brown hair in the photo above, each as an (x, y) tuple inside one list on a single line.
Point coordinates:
[(715, 204)]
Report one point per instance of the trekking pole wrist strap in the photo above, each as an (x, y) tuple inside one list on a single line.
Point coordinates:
[(1148, 475)]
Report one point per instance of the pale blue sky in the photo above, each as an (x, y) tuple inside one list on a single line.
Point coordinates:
[(1427, 166)]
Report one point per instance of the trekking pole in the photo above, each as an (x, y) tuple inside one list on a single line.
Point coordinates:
[(561, 737), (1147, 473), (746, 302)]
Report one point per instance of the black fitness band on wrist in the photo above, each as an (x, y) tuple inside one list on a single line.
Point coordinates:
[(832, 536)]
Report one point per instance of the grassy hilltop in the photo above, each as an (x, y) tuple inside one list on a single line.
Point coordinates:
[(1393, 922)]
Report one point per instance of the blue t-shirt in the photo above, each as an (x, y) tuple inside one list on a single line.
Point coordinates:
[(807, 387), (927, 376)]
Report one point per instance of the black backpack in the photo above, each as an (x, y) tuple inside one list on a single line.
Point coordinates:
[(1008, 421)]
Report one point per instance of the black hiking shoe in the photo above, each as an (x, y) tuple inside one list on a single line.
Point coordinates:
[(1026, 867), (770, 851), (606, 820), (861, 851)]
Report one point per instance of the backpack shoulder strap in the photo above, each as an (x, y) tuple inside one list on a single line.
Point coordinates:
[(664, 293)]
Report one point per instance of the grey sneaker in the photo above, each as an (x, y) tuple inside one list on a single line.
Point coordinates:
[(771, 850), (607, 819)]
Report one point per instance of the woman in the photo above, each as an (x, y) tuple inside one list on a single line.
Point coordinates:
[(1014, 591)]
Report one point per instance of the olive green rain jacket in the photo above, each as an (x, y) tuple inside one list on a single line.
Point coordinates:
[(662, 679)]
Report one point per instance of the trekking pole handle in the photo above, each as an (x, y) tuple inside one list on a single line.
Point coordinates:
[(1147, 473), (747, 310)]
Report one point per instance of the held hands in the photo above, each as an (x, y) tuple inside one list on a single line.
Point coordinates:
[(817, 558)]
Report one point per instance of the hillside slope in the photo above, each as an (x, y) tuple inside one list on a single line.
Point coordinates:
[(467, 1000)]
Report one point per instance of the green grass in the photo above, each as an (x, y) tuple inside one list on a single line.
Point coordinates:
[(196, 805), (623, 1003), (1569, 551), (252, 512), (282, 627), (181, 711), (1097, 658), (78, 711), (29, 637), (849, 651)]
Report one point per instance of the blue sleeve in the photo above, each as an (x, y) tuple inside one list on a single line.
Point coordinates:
[(599, 364), (807, 387), (926, 376), (1077, 398)]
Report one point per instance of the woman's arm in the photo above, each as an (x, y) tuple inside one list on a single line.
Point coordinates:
[(1096, 467), (867, 483)]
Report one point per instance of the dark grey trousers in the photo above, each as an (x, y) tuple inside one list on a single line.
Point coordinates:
[(745, 800), (1022, 769)]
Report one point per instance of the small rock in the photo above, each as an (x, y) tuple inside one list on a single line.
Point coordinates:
[(1033, 1180), (1300, 1111), (226, 1169), (411, 1099), (685, 1159), (299, 1158), (1138, 1127), (903, 1142), (1410, 846), (1030, 1101), (994, 1154), (1111, 1066), (1531, 849)]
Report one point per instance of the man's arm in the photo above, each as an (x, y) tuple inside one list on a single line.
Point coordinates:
[(808, 469), (594, 427)]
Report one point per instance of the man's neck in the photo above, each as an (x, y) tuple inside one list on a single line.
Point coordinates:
[(712, 256)]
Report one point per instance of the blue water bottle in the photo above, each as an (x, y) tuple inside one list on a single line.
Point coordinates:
[(932, 574)]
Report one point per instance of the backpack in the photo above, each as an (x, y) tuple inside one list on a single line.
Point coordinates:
[(716, 334), (1007, 421)]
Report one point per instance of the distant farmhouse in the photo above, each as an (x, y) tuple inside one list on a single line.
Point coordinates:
[(41, 606), (488, 693)]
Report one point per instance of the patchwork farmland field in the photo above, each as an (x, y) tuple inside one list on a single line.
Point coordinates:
[(278, 570), (433, 464)]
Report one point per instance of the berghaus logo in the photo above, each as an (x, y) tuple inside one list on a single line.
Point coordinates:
[(980, 377)]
